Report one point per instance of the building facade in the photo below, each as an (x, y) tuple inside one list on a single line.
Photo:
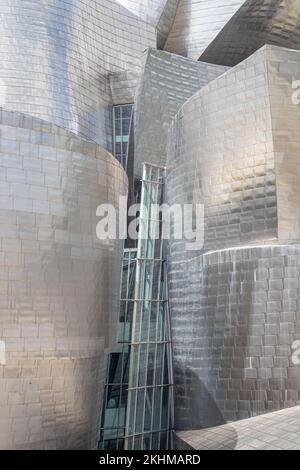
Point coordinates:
[(90, 90), (234, 301), (58, 283)]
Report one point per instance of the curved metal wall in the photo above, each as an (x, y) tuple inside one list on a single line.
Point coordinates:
[(166, 82), (256, 23), (197, 23), (58, 59), (158, 13), (233, 333), (234, 147), (59, 284)]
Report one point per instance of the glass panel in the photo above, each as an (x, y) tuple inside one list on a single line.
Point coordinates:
[(140, 410), (126, 126), (126, 111), (148, 409), (150, 315)]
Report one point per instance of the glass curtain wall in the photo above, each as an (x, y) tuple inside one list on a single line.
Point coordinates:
[(122, 116), (150, 394), (116, 387)]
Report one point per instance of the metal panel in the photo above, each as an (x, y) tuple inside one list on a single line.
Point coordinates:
[(59, 284), (256, 23), (167, 81), (197, 23), (233, 331), (274, 431), (58, 59), (234, 148)]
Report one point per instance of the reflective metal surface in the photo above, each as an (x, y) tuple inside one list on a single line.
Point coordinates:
[(59, 61), (197, 23), (166, 82), (257, 22), (279, 430), (59, 284), (234, 148), (234, 309), (235, 317), (158, 13)]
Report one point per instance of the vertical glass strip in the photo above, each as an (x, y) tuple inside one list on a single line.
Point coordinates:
[(122, 116), (116, 386), (149, 422)]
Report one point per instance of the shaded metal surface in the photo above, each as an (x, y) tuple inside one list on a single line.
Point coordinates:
[(59, 284), (235, 317), (197, 23), (166, 82), (66, 62), (235, 312), (256, 23)]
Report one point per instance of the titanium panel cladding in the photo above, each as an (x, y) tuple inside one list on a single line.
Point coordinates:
[(234, 146), (234, 309), (59, 284), (197, 23), (256, 23), (234, 336), (166, 82), (57, 59)]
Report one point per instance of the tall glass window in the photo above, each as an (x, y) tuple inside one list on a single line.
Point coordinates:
[(138, 403), (150, 393), (122, 116), (116, 386)]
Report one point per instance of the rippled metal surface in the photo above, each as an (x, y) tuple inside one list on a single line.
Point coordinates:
[(59, 284), (234, 148), (257, 22), (234, 312), (59, 58), (235, 317), (166, 82), (197, 23)]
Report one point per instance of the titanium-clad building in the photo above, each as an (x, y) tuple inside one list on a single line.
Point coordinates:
[(256, 23), (197, 23), (59, 283), (82, 80), (166, 82), (63, 66), (234, 302), (68, 62)]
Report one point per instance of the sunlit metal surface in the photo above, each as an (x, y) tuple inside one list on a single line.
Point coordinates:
[(258, 22), (60, 59), (234, 148), (279, 430), (197, 23), (59, 284), (166, 82)]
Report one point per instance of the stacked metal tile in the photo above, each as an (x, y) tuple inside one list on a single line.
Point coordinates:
[(234, 303)]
